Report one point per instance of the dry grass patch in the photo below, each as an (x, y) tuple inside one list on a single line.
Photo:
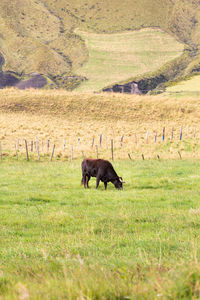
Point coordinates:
[(78, 118)]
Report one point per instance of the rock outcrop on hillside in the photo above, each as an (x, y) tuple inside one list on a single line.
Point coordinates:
[(10, 79), (141, 87)]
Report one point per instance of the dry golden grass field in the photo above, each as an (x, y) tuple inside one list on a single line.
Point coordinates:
[(77, 118)]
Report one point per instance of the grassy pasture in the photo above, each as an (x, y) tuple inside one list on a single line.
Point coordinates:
[(119, 56), (190, 86), (59, 241)]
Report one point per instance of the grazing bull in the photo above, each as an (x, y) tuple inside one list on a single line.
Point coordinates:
[(102, 170)]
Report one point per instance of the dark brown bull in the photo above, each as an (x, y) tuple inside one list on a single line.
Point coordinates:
[(102, 170)]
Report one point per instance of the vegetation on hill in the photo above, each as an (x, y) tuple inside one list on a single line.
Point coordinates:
[(39, 36)]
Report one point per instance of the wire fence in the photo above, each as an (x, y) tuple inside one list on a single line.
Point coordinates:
[(181, 142)]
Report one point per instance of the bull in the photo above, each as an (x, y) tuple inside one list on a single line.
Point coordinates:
[(102, 170)]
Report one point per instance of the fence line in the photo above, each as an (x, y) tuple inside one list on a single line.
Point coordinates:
[(119, 143)]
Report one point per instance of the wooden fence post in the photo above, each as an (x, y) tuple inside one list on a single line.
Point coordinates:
[(31, 146), (48, 145), (83, 154), (129, 156), (17, 143), (27, 156), (53, 151), (92, 142), (37, 147), (64, 144), (163, 135), (155, 137), (121, 142), (136, 138), (112, 150), (181, 133), (146, 137), (172, 135), (100, 140), (78, 143)]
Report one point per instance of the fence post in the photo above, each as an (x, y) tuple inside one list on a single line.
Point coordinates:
[(83, 154), (121, 142), (37, 147), (112, 150), (180, 154), (48, 145), (194, 131), (155, 137), (147, 135), (136, 138), (129, 156), (17, 143), (27, 156), (53, 152), (64, 144), (92, 142), (181, 133), (163, 136), (78, 143), (100, 140), (31, 146)]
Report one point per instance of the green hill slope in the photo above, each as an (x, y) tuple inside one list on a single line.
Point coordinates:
[(39, 36)]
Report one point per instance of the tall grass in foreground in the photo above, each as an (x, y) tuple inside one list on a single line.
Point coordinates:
[(59, 241)]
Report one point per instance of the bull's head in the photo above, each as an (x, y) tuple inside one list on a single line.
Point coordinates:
[(118, 183)]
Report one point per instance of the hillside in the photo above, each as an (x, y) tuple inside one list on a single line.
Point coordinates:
[(40, 36), (116, 57)]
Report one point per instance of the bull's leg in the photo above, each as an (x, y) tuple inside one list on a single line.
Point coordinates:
[(105, 185), (97, 182), (84, 180), (87, 181)]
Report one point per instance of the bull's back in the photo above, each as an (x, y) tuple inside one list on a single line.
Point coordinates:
[(94, 166)]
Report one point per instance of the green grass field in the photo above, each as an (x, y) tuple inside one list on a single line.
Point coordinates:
[(191, 86), (59, 241), (117, 57)]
